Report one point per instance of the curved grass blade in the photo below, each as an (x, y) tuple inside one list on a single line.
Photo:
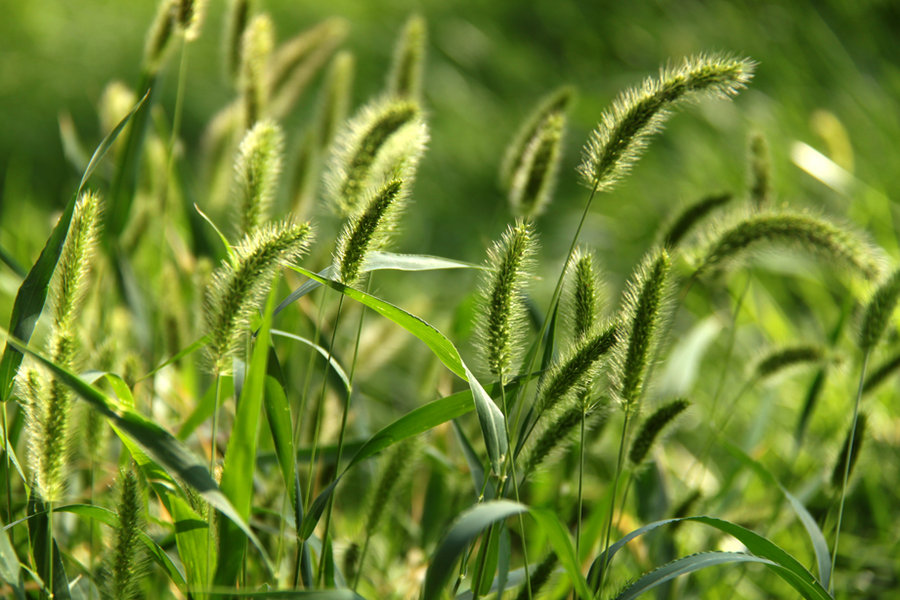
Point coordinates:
[(278, 415), (109, 518), (685, 565), (334, 364), (240, 455), (201, 343), (492, 422), (172, 454), (228, 249), (790, 569), (377, 261), (10, 569), (562, 545)]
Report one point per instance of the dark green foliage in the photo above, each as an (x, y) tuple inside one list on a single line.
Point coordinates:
[(652, 427)]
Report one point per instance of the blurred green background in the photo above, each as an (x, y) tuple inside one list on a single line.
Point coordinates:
[(824, 68)]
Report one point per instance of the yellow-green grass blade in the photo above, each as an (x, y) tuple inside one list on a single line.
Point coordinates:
[(489, 416), (168, 451), (240, 455), (32, 293)]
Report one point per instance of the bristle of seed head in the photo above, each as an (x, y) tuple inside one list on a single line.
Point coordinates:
[(70, 277), (878, 312), (559, 431), (295, 62), (257, 44), (638, 113), (239, 14), (539, 577), (760, 171), (839, 245), (576, 368), (779, 359), (585, 292), (881, 373), (257, 168), (644, 307), (368, 230), (400, 463), (237, 288), (189, 14), (501, 321), (652, 427), (405, 80), (837, 474), (369, 149), (126, 565), (686, 220), (159, 35), (555, 104), (535, 176)]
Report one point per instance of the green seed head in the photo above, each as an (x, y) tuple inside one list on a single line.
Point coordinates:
[(878, 312), (689, 217), (159, 36), (238, 287), (239, 14), (405, 79), (125, 566), (636, 114), (257, 168), (783, 358), (645, 305), (760, 171), (652, 427), (189, 15), (585, 292), (535, 176), (501, 322), (256, 50)]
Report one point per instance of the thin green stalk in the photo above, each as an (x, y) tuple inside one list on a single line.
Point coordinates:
[(581, 484), (50, 548), (319, 412), (837, 532), (212, 465), (6, 458), (465, 558), (515, 480), (612, 500)]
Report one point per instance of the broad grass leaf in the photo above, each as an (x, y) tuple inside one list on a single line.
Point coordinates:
[(562, 544), (10, 569)]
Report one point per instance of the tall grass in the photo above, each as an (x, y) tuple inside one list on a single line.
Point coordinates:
[(501, 445)]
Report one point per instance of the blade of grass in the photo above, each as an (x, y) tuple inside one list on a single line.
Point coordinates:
[(10, 569)]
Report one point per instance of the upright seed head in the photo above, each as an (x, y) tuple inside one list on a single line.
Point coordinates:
[(636, 114), (645, 304), (839, 245), (837, 474), (368, 230), (575, 369), (159, 35), (238, 287), (879, 311), (257, 168), (295, 62), (760, 171), (71, 275), (535, 176), (501, 322), (555, 104), (239, 14), (380, 137), (189, 15), (400, 463), (256, 50), (690, 216), (125, 564), (585, 292), (405, 80), (652, 427)]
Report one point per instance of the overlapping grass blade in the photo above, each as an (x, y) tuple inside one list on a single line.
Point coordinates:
[(10, 569)]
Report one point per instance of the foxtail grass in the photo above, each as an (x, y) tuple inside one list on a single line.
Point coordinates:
[(585, 293), (652, 427), (780, 359), (535, 177), (760, 172), (405, 79), (690, 216), (257, 168), (240, 12), (125, 567), (257, 44)]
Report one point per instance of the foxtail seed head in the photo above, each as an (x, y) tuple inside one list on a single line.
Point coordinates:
[(125, 565), (535, 176), (558, 432), (239, 14), (368, 230), (257, 168), (879, 311), (652, 427), (784, 358), (159, 36), (238, 287), (335, 97), (637, 113), (690, 216), (645, 303), (256, 50), (381, 137), (760, 171), (585, 292), (405, 80), (839, 246), (554, 104), (189, 15), (71, 275), (501, 321)]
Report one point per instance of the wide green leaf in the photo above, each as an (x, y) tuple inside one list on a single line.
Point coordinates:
[(10, 568)]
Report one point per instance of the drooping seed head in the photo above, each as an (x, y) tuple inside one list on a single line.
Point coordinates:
[(576, 368), (238, 287), (501, 322), (381, 137), (554, 104), (585, 292), (878, 312), (881, 373), (257, 168), (652, 427), (539, 577), (559, 432), (838, 245), (780, 359), (295, 62), (405, 80), (686, 220), (645, 305), (760, 172), (256, 50), (637, 113), (368, 230), (535, 176), (858, 434)]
